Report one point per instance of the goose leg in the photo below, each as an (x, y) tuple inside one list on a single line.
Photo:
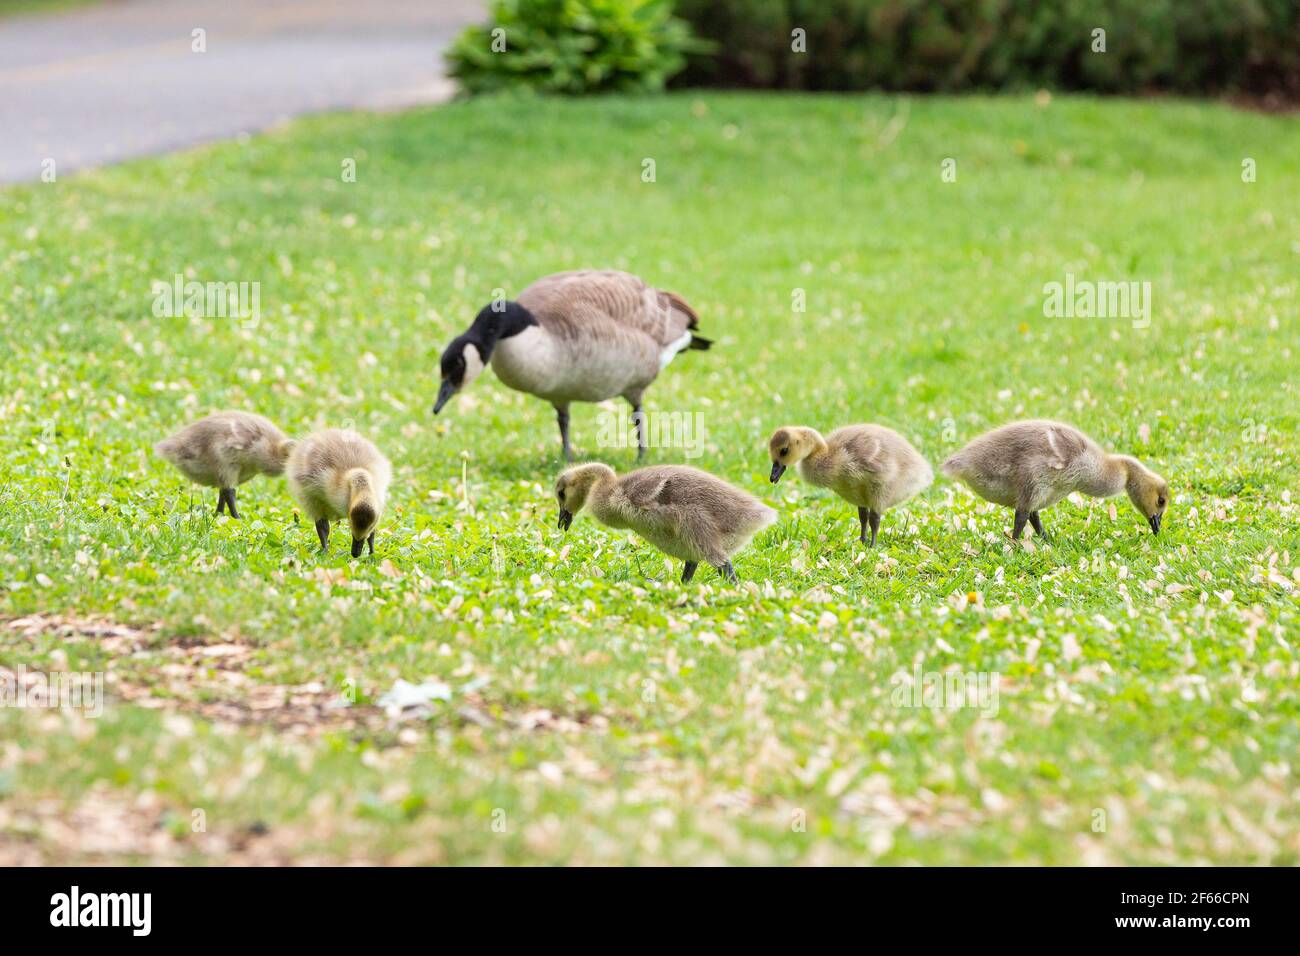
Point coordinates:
[(562, 416), (638, 416), (323, 532), (371, 541), (688, 572), (230, 502), (1021, 518), (1037, 522), (728, 572)]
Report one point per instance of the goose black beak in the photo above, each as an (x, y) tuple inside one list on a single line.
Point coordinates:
[(566, 519), (1154, 521), (444, 395), (778, 470), (357, 545)]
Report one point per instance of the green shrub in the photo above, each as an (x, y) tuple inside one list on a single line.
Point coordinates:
[(1186, 46), (572, 47)]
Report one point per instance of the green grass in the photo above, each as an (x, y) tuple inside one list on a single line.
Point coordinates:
[(27, 7), (1150, 678)]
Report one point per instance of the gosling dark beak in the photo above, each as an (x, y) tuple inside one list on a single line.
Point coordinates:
[(444, 395), (357, 545), (566, 519), (778, 470), (1154, 521)]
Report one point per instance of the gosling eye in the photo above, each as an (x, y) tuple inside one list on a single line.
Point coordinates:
[(784, 452), (1160, 502), (561, 494)]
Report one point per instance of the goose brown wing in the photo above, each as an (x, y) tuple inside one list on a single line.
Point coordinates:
[(607, 304)]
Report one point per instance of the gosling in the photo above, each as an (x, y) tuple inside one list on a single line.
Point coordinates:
[(1032, 465), (684, 512), (576, 337), (225, 450), (335, 474), (870, 466)]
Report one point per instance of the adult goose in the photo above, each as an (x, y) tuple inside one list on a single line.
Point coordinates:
[(575, 337)]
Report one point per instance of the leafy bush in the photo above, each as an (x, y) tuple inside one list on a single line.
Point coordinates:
[(1189, 46), (573, 47)]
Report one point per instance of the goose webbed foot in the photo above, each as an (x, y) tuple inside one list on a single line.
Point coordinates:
[(727, 572), (688, 571), (323, 532)]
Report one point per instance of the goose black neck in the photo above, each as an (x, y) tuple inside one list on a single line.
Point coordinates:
[(498, 321)]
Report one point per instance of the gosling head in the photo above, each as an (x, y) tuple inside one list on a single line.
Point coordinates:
[(574, 485), (280, 451), (462, 362), (364, 506), (789, 446), (1149, 494), (363, 516)]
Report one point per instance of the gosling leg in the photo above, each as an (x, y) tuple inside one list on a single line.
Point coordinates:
[(1037, 522), (371, 541), (221, 501), (874, 518), (1019, 529), (562, 417), (726, 571), (862, 521), (323, 532), (230, 503), (688, 571)]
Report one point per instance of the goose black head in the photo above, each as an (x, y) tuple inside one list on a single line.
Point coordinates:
[(462, 362), (469, 353)]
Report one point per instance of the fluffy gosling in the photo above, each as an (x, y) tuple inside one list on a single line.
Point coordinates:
[(1032, 465), (683, 511), (870, 466), (225, 450), (335, 474)]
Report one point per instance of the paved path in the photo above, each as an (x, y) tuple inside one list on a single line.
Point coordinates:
[(116, 80)]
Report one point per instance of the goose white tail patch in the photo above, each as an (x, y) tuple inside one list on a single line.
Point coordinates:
[(673, 347)]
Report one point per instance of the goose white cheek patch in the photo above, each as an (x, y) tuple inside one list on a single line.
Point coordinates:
[(473, 364)]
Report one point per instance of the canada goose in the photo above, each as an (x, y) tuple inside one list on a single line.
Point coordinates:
[(1032, 465), (684, 512), (335, 474), (870, 466), (575, 337), (226, 449)]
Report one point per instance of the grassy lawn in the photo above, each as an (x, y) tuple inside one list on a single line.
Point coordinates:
[(27, 7), (599, 711)]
